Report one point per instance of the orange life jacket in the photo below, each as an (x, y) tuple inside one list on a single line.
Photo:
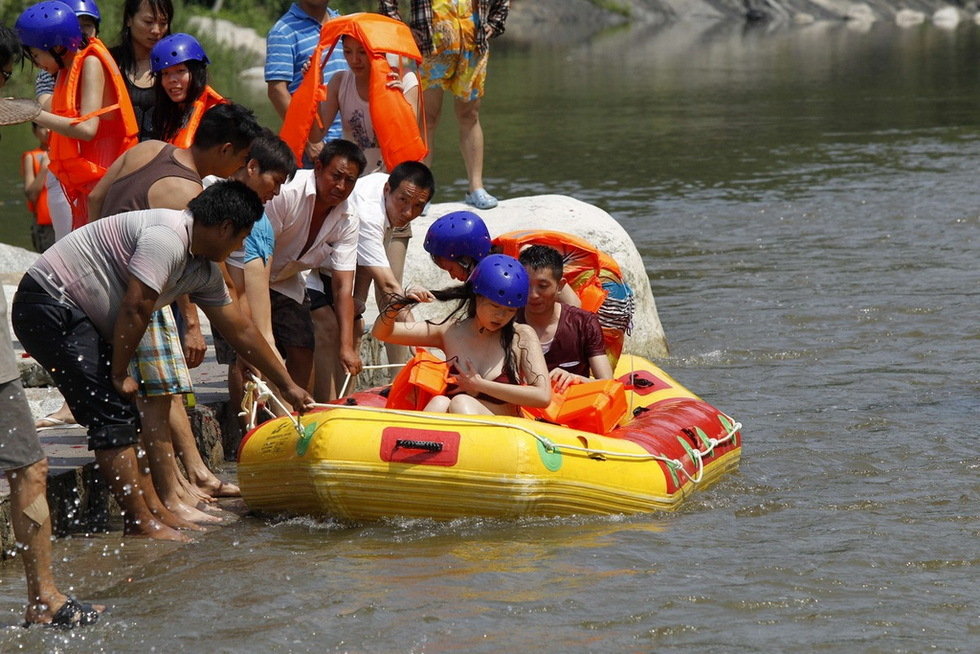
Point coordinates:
[(594, 276), (423, 377), (395, 124), (208, 98), (595, 406), (79, 165), (42, 215)]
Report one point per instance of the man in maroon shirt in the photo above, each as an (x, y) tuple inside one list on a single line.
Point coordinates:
[(570, 337)]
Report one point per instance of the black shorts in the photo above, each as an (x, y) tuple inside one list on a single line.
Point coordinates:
[(63, 340), (223, 351), (292, 325), (324, 298)]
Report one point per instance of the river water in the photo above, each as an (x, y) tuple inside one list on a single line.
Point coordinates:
[(804, 202)]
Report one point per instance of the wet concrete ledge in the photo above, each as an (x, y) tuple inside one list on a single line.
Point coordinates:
[(80, 501)]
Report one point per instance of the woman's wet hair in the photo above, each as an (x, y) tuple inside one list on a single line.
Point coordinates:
[(465, 297), (273, 154), (123, 53), (228, 122), (168, 116), (227, 200), (413, 172)]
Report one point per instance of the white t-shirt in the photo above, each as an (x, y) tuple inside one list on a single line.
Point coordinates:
[(369, 202), (92, 265), (334, 248)]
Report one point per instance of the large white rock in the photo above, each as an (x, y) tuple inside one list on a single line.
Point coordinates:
[(946, 18), (15, 261), (548, 212), (248, 43)]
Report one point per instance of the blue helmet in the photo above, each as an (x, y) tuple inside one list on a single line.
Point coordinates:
[(85, 8), (458, 234), (49, 24), (501, 279), (176, 49)]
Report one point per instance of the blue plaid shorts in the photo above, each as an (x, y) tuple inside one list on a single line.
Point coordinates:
[(158, 364)]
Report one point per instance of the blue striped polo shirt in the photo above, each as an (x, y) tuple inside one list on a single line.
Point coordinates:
[(289, 45)]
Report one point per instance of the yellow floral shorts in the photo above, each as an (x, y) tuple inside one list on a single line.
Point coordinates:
[(455, 66)]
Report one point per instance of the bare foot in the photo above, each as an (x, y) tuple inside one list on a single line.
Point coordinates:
[(191, 514), (191, 494), (60, 418), (168, 518), (214, 487), (155, 530)]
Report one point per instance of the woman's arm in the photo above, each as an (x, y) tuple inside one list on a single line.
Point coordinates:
[(328, 112), (418, 334), (93, 90)]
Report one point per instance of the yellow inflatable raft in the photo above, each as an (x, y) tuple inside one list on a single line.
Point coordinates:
[(361, 461)]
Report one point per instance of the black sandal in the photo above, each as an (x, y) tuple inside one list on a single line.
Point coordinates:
[(74, 614)]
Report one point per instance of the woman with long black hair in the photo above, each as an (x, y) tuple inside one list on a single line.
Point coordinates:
[(180, 69), (145, 22)]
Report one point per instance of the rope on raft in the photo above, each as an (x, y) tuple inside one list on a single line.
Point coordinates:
[(257, 391)]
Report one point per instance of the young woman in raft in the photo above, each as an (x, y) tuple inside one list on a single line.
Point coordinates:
[(180, 70), (498, 364)]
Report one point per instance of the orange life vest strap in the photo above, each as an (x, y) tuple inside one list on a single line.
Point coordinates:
[(96, 113), (185, 136)]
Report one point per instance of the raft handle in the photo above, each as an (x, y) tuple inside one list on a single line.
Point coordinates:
[(640, 382), (428, 446)]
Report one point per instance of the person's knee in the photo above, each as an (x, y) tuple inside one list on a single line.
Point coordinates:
[(463, 404), (438, 404), (30, 485), (468, 113), (31, 476)]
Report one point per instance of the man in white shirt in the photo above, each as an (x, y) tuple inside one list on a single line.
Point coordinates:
[(315, 227), (386, 205)]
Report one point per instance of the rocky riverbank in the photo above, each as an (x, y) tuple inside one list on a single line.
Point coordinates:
[(570, 21), (614, 12)]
